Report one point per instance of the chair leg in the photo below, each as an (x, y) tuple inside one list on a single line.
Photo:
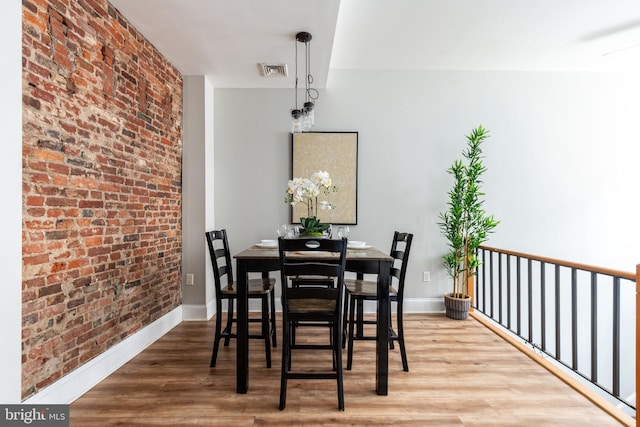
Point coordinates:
[(345, 318), (352, 305), (337, 351), (227, 328), (217, 336), (403, 353), (273, 319), (293, 333), (333, 341), (266, 328), (286, 363), (291, 341), (391, 346), (360, 318)]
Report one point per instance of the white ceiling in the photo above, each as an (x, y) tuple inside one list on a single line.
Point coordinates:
[(226, 39)]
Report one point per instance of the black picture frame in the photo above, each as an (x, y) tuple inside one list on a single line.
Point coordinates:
[(337, 154)]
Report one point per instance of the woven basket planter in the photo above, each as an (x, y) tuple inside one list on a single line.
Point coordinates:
[(457, 308)]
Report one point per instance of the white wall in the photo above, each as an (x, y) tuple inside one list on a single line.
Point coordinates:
[(561, 159), (251, 163), (11, 212), (197, 197), (209, 200)]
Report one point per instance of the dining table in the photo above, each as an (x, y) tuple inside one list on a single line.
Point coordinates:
[(265, 259)]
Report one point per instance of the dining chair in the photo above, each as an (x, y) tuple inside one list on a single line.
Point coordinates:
[(359, 290), (225, 288), (312, 258)]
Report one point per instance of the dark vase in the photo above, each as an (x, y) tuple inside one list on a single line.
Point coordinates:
[(457, 308)]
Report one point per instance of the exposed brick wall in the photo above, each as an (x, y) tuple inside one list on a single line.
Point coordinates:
[(102, 147)]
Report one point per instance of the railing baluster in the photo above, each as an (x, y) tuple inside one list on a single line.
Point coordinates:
[(491, 299), (484, 284), (500, 289), (574, 319), (637, 336), (616, 336), (475, 302), (594, 326), (557, 313), (518, 298), (508, 291), (543, 316), (530, 297)]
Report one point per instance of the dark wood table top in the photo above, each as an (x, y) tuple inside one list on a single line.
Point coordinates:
[(353, 254)]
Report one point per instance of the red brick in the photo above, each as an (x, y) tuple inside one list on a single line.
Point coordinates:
[(34, 248), (35, 201), (36, 259), (41, 94)]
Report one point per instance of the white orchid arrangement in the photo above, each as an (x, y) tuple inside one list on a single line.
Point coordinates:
[(306, 192)]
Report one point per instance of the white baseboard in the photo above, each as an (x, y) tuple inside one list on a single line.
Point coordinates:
[(424, 305), (76, 383), (413, 305), (196, 312)]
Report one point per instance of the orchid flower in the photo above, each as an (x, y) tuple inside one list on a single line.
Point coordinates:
[(306, 192)]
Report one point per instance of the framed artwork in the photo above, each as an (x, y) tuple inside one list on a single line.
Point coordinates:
[(337, 154)]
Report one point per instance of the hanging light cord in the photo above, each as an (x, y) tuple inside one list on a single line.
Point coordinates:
[(311, 93), (295, 95)]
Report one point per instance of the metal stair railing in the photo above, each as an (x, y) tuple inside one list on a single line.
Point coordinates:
[(584, 318)]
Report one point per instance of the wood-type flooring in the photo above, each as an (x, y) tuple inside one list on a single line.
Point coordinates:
[(461, 374)]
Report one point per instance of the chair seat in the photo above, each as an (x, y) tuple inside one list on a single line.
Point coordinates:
[(366, 288), (312, 281), (312, 306), (254, 287)]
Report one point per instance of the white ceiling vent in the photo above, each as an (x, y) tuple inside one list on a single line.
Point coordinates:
[(269, 70)]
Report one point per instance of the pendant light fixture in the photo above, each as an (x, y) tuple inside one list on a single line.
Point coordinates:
[(303, 119)]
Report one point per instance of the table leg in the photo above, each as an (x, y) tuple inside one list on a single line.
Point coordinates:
[(242, 326), (382, 341)]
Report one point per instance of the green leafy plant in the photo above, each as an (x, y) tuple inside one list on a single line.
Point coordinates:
[(465, 224), (312, 226)]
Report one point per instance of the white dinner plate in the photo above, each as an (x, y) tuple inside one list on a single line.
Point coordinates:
[(358, 247), (272, 244)]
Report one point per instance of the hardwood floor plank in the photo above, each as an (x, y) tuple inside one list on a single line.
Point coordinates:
[(461, 374)]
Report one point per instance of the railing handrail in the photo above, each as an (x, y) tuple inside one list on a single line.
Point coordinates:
[(563, 263)]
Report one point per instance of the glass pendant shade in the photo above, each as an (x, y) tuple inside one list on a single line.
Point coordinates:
[(308, 116), (303, 120), (296, 121)]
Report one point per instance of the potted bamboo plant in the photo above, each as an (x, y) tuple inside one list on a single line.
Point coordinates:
[(465, 224)]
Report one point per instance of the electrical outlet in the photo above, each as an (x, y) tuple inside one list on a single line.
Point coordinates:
[(426, 276), (189, 278)]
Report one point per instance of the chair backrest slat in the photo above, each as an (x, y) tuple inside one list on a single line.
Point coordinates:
[(220, 258), (400, 248), (301, 269)]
